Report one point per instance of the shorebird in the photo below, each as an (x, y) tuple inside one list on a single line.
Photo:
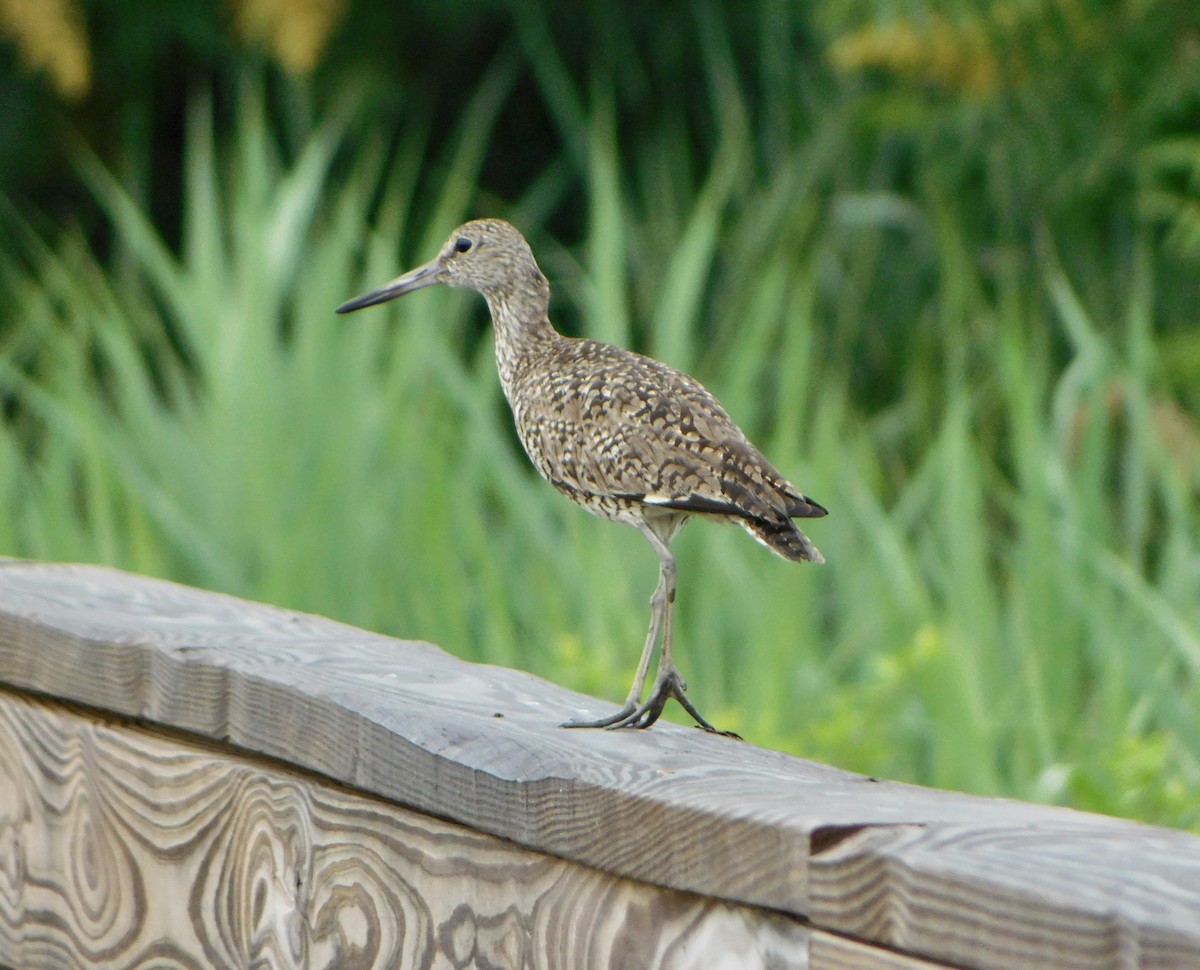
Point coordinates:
[(628, 438)]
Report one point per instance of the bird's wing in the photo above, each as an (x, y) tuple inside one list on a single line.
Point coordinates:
[(615, 423)]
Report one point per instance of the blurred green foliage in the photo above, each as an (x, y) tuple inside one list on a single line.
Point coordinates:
[(938, 258)]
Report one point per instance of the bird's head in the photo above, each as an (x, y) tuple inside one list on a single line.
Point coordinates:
[(487, 255)]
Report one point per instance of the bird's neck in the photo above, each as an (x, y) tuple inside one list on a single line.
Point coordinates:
[(521, 321)]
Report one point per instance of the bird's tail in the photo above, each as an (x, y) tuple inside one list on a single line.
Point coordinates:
[(783, 538)]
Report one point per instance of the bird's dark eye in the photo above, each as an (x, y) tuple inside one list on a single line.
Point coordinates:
[(462, 244)]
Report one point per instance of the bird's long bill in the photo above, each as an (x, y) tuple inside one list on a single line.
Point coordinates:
[(415, 279)]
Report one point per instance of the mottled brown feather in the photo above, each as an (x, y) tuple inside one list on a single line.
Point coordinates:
[(625, 436), (606, 423)]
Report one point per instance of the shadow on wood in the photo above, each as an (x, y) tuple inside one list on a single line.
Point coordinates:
[(388, 805)]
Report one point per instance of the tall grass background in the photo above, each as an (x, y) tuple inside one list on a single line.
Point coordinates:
[(979, 388)]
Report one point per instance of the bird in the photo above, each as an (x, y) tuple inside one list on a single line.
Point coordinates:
[(626, 437)]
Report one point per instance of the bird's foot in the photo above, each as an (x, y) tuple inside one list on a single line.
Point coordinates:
[(668, 684), (613, 720)]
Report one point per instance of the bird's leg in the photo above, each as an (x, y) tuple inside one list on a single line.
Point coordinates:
[(667, 683), (659, 610), (657, 601), (663, 605)]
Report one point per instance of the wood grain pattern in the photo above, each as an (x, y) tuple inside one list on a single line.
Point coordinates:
[(829, 952), (1045, 897), (120, 847), (916, 870)]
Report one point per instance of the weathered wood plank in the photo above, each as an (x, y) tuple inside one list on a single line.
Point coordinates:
[(121, 847), (829, 952), (1047, 897), (672, 806)]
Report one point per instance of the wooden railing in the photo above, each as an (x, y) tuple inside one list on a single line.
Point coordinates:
[(188, 779)]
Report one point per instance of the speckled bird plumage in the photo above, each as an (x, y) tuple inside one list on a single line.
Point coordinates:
[(626, 437)]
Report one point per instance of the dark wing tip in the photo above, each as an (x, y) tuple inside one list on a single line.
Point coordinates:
[(806, 508)]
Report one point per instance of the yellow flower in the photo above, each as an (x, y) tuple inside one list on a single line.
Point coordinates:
[(957, 56), (294, 32), (50, 37)]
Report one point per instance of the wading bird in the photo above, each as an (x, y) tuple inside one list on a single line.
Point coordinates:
[(626, 437)]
